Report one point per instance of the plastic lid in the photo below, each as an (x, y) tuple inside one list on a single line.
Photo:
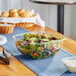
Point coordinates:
[(3, 40)]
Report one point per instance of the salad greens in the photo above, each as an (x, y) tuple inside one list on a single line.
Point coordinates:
[(37, 45)]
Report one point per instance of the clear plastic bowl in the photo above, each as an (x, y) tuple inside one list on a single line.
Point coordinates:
[(39, 50)]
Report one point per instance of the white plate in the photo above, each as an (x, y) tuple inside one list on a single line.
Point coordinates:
[(3, 40)]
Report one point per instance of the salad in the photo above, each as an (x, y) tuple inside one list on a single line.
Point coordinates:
[(39, 45)]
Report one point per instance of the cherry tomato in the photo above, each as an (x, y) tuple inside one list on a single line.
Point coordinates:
[(42, 48), (35, 53), (42, 35), (33, 35)]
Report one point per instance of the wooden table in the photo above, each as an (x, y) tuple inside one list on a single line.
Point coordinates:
[(16, 68)]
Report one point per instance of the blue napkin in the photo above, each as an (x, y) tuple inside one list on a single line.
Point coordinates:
[(44, 67)]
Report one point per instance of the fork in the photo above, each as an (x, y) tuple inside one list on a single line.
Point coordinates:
[(4, 59)]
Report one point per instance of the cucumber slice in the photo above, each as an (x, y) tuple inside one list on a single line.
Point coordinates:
[(33, 39), (46, 40)]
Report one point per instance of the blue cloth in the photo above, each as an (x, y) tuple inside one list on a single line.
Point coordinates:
[(44, 67)]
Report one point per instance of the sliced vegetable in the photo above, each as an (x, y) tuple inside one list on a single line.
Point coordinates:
[(35, 53)]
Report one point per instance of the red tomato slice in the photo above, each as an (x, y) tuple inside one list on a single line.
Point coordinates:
[(35, 53), (42, 48)]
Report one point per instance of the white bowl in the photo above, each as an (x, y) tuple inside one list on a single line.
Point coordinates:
[(70, 63)]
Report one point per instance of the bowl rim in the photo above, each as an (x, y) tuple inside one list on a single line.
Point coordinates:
[(14, 36), (69, 58)]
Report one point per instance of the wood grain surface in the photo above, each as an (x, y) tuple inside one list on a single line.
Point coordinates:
[(16, 68)]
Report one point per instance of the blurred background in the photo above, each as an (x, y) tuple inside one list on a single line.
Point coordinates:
[(47, 13)]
